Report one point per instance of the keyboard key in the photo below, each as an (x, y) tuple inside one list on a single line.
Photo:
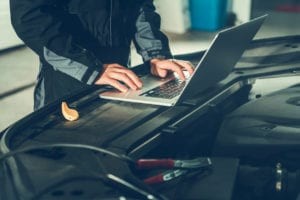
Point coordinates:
[(167, 90)]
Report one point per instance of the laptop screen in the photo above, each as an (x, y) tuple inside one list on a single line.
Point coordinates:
[(221, 57)]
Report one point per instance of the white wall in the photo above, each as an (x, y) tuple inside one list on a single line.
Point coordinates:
[(175, 16), (242, 8), (8, 37)]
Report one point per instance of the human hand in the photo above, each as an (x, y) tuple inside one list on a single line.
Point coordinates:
[(114, 74), (161, 68)]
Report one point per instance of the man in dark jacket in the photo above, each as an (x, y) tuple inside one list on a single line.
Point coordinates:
[(85, 42)]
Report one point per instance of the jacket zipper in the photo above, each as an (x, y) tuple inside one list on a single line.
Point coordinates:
[(110, 22)]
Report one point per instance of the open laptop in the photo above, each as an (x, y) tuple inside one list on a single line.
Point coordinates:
[(215, 65)]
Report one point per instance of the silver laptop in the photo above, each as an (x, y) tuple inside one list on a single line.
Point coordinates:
[(215, 65)]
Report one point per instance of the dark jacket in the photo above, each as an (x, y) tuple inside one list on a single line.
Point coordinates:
[(73, 39)]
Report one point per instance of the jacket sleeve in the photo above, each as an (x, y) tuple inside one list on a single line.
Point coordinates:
[(150, 42), (39, 25)]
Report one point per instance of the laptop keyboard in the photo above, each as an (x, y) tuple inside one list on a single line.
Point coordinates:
[(167, 90)]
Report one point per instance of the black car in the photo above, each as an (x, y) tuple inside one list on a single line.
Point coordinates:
[(237, 140)]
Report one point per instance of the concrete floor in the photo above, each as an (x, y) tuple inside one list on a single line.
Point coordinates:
[(19, 67)]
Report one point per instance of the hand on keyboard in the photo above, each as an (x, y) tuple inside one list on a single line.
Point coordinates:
[(186, 74), (119, 77), (161, 68)]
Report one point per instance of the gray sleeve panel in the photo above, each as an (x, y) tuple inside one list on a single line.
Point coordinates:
[(93, 77), (70, 67), (149, 40), (145, 35)]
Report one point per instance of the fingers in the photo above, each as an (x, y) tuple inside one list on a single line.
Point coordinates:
[(117, 85), (156, 71), (122, 78), (162, 67), (175, 67), (131, 75), (114, 74), (119, 76), (186, 65)]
